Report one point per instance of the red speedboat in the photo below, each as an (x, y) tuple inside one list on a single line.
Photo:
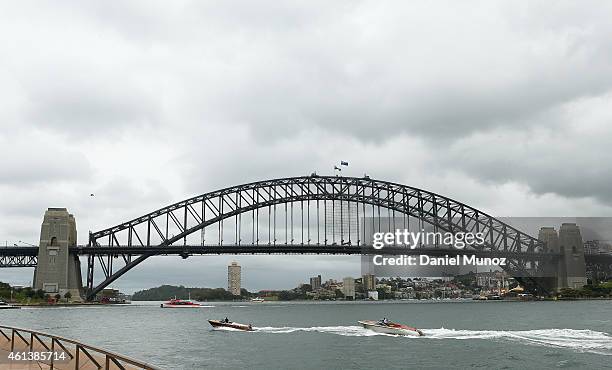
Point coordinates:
[(231, 325), (179, 303)]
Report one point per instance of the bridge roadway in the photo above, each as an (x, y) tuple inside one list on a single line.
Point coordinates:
[(25, 256), (215, 249)]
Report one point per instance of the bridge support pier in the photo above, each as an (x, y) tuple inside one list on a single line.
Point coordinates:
[(571, 247), (58, 271), (569, 270)]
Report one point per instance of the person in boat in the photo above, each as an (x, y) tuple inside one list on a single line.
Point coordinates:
[(226, 320), (384, 321), (250, 327)]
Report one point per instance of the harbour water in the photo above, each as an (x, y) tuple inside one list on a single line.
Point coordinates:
[(309, 335)]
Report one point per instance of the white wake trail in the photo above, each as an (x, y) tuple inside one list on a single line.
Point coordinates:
[(350, 331), (580, 340), (574, 339)]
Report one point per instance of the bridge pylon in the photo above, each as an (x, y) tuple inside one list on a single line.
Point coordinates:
[(58, 271), (569, 270), (571, 247)]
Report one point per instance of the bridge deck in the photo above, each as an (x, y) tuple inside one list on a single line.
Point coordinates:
[(272, 249)]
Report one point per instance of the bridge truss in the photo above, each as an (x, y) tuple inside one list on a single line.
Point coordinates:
[(308, 214), (18, 256)]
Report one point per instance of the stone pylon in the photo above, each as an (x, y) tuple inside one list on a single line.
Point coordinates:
[(571, 247), (58, 271), (552, 271), (570, 269)]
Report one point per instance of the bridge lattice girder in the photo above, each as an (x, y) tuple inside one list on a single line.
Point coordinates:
[(18, 261), (18, 256), (171, 225)]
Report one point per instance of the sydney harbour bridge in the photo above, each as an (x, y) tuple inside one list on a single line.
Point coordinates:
[(296, 215)]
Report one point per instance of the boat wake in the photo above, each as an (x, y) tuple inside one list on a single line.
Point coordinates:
[(348, 331), (573, 339), (579, 340), (225, 328)]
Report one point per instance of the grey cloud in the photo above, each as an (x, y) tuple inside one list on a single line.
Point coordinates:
[(568, 159), (85, 106), (353, 69), (47, 163), (373, 87)]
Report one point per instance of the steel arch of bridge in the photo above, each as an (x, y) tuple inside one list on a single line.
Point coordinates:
[(197, 213)]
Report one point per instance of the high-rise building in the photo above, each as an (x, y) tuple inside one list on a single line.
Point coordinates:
[(348, 287), (369, 282), (233, 278), (315, 282)]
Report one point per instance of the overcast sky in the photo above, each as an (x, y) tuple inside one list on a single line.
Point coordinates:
[(506, 106)]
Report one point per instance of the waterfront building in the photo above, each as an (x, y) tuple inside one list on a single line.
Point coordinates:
[(315, 282), (331, 284), (234, 278), (592, 247), (322, 294), (110, 295), (348, 288), (384, 287), (369, 282)]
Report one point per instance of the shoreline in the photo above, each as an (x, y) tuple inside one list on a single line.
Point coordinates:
[(51, 305)]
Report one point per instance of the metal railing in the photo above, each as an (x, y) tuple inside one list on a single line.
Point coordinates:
[(80, 356)]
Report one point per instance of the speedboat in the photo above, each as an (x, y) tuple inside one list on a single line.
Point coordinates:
[(257, 300), (180, 303), (231, 325), (391, 328)]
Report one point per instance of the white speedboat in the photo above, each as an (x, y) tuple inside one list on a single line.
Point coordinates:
[(391, 328), (231, 325), (258, 300)]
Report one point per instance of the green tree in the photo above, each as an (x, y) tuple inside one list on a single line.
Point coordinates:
[(28, 292)]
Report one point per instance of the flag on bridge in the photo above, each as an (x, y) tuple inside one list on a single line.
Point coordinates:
[(337, 168), (343, 163)]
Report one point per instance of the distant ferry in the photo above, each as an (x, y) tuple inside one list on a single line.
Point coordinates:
[(258, 300), (180, 303)]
